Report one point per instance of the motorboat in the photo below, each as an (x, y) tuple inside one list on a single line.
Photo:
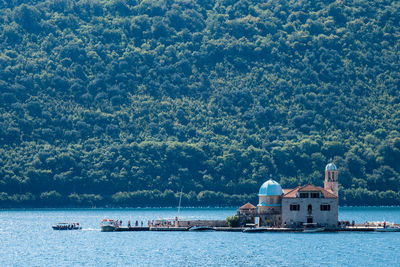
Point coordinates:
[(108, 225), (312, 228), (255, 230), (201, 228), (388, 229), (67, 226)]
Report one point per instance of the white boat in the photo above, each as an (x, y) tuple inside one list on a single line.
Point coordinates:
[(312, 228), (67, 226), (388, 229), (108, 225)]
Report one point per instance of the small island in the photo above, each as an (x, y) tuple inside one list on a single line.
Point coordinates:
[(306, 208)]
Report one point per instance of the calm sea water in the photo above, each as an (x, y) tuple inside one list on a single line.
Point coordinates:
[(26, 239)]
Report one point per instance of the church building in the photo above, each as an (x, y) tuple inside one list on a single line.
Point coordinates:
[(292, 207)]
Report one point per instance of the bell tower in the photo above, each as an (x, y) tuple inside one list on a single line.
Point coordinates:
[(331, 179)]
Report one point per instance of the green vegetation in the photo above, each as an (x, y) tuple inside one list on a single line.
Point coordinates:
[(123, 102), (233, 221)]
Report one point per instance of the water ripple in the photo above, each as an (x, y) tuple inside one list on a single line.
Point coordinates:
[(28, 240)]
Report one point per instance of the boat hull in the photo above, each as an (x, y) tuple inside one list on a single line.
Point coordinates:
[(107, 228), (316, 230), (65, 229), (387, 229), (201, 228), (255, 230)]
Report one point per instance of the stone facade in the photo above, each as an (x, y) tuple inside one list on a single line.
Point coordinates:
[(269, 210), (246, 214), (317, 214), (270, 219), (269, 203)]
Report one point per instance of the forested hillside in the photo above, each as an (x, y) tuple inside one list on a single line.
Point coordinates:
[(124, 102)]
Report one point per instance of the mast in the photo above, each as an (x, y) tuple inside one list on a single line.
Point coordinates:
[(179, 206)]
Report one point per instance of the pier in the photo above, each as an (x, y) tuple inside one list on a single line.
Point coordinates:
[(356, 228), (131, 229)]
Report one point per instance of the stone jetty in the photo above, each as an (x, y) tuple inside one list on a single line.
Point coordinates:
[(223, 228)]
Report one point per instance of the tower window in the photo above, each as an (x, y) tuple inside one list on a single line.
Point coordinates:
[(294, 207), (325, 207)]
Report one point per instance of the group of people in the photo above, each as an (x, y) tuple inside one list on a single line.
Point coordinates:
[(119, 223), (383, 224), (346, 223)]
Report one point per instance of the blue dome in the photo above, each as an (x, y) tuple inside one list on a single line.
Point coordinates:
[(270, 188), (331, 167)]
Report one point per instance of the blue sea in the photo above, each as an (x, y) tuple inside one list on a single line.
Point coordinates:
[(27, 239)]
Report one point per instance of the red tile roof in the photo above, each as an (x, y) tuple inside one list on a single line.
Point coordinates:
[(248, 206), (292, 193), (286, 191)]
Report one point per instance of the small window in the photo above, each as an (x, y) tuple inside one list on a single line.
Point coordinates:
[(315, 195), (294, 207), (325, 207), (303, 195)]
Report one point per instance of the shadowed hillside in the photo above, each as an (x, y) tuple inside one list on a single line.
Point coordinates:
[(123, 103)]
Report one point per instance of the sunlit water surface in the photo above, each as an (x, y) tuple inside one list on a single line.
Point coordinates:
[(27, 239)]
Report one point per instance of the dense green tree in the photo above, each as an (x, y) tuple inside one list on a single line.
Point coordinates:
[(126, 102)]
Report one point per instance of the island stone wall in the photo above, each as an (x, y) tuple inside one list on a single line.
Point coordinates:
[(209, 223)]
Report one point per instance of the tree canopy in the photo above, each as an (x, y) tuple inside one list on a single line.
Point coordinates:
[(124, 102)]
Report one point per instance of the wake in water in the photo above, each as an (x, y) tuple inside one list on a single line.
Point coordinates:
[(91, 229)]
